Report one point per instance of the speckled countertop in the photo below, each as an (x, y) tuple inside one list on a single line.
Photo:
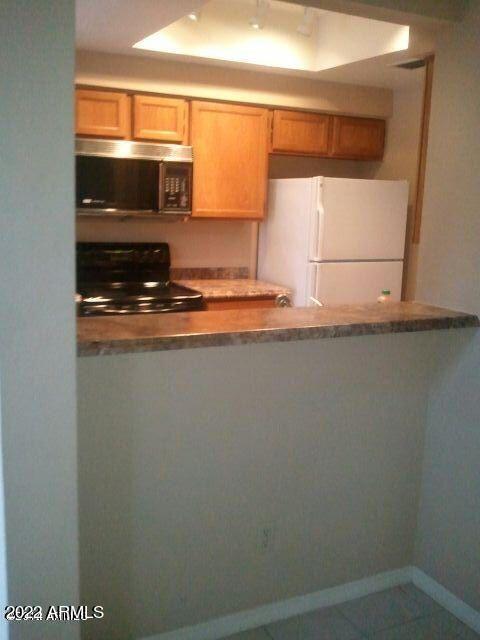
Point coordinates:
[(219, 289), (138, 333)]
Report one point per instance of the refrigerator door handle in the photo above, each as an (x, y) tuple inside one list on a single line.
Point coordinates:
[(312, 278), (316, 235), (314, 273)]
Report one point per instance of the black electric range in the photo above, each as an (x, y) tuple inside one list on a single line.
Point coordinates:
[(127, 278)]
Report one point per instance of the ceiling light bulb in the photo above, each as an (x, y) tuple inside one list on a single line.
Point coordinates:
[(257, 21), (194, 16), (306, 25)]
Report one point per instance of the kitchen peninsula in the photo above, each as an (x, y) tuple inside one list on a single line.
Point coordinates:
[(107, 335), (186, 451)]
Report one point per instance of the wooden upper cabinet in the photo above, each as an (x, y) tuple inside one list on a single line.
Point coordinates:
[(102, 113), (357, 138), (162, 119), (301, 133), (230, 160)]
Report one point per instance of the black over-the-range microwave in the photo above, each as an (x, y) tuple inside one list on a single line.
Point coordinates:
[(123, 177)]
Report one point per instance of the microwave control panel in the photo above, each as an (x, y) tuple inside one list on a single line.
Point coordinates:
[(176, 187)]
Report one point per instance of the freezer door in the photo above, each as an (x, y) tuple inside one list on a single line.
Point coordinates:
[(283, 236), (361, 219), (354, 282)]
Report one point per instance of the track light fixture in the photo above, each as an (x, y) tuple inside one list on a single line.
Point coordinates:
[(194, 16), (257, 21), (306, 25)]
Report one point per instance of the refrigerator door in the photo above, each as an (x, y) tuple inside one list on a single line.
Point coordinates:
[(360, 220), (283, 236), (353, 282)]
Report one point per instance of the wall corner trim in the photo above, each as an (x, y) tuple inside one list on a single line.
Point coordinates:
[(446, 599)]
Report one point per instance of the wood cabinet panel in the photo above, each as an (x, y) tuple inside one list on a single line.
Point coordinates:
[(357, 138), (230, 160), (102, 113), (301, 133), (240, 303), (158, 118)]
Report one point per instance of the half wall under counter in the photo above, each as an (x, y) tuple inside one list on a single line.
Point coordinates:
[(186, 456), (130, 334)]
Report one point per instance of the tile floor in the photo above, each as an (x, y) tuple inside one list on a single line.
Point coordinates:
[(401, 613)]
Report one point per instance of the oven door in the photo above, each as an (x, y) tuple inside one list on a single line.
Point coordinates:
[(117, 185)]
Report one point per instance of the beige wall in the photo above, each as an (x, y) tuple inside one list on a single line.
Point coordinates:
[(448, 274), (37, 313), (401, 161), (203, 243), (224, 83), (186, 456), (304, 167), (195, 243)]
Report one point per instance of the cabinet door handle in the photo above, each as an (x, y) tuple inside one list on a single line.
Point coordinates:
[(283, 300)]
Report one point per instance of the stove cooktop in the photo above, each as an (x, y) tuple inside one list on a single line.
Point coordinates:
[(128, 278), (115, 299)]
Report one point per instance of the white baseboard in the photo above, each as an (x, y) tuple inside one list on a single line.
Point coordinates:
[(253, 618), (235, 623), (446, 599)]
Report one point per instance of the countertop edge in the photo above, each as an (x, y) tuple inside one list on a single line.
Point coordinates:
[(266, 335), (234, 289)]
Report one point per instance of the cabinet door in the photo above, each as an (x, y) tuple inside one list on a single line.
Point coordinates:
[(241, 303), (230, 160), (156, 118), (102, 113), (357, 138), (300, 133)]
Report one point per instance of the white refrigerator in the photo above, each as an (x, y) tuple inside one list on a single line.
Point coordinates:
[(334, 240)]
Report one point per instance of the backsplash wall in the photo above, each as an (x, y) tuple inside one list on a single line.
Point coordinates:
[(195, 243), (285, 166)]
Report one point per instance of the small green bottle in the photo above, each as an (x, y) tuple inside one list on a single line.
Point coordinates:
[(385, 297)]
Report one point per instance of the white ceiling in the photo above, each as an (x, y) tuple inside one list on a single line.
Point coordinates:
[(396, 10), (114, 26), (224, 33)]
